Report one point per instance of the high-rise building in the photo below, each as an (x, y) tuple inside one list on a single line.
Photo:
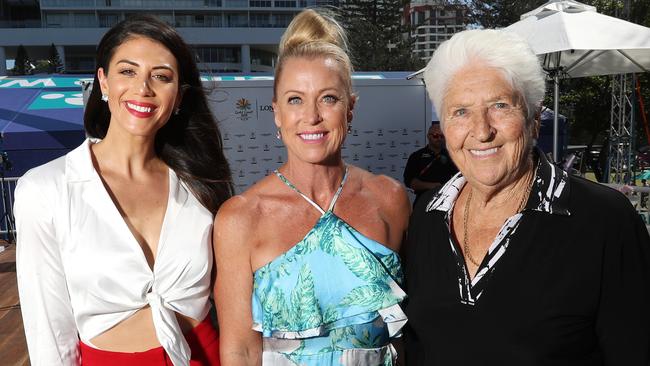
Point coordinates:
[(433, 22), (227, 35)]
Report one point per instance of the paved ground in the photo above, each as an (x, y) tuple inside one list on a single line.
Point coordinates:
[(13, 349)]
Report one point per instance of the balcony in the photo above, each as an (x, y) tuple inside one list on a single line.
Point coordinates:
[(20, 23)]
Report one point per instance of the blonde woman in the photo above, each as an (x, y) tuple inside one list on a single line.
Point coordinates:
[(308, 271)]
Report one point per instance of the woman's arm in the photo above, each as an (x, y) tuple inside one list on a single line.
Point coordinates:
[(623, 317), (233, 234), (44, 300)]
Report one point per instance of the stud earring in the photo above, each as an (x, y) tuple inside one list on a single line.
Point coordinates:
[(278, 134), (105, 97), (177, 111)]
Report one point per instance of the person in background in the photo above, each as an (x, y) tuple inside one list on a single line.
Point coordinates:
[(513, 261), (308, 270), (430, 167), (114, 255)]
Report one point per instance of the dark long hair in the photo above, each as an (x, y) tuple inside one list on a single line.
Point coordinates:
[(190, 142)]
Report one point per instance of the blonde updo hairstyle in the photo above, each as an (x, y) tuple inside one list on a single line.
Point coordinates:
[(315, 34)]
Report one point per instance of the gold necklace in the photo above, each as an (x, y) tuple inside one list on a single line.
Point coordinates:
[(468, 255)]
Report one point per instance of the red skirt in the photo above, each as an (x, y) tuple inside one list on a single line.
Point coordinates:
[(203, 341)]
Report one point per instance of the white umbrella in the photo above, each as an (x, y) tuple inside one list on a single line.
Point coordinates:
[(574, 40)]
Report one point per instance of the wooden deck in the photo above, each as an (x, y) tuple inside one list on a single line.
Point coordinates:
[(13, 349)]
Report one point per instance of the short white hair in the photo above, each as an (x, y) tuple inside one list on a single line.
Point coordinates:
[(502, 50)]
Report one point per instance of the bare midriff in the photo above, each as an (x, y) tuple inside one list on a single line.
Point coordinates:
[(137, 333)]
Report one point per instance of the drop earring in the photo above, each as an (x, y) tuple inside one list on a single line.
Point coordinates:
[(278, 134), (349, 127), (105, 97)]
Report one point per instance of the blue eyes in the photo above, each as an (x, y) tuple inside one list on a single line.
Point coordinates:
[(328, 99), (459, 112)]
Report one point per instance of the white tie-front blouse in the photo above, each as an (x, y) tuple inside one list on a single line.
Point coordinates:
[(81, 270)]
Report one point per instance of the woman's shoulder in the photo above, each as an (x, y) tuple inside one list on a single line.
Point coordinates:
[(248, 205), (44, 177), (382, 187), (55, 172), (594, 195)]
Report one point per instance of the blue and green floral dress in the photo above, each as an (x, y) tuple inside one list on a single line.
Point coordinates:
[(332, 299)]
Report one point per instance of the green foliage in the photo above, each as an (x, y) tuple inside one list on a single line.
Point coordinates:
[(54, 60), (23, 65), (500, 13), (377, 39)]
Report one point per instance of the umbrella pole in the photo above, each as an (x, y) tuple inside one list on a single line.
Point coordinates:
[(556, 96)]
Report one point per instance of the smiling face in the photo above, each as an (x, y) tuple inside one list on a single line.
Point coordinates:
[(312, 109), (142, 84), (485, 127)]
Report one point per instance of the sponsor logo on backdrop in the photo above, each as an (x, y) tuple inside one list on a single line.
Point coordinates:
[(266, 108), (252, 136), (244, 109)]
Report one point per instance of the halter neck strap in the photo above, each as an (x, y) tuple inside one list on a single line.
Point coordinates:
[(334, 199)]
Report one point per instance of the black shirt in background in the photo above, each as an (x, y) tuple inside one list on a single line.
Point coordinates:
[(428, 166), (570, 290)]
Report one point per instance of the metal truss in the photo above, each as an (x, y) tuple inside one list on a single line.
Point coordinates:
[(620, 157)]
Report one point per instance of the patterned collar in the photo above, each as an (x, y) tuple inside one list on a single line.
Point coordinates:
[(549, 194)]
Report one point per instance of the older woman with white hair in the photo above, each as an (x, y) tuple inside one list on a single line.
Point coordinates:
[(513, 262)]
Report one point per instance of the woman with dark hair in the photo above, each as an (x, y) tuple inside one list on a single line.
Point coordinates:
[(114, 254)]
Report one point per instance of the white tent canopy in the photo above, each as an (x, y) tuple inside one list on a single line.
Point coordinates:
[(574, 40), (588, 43)]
